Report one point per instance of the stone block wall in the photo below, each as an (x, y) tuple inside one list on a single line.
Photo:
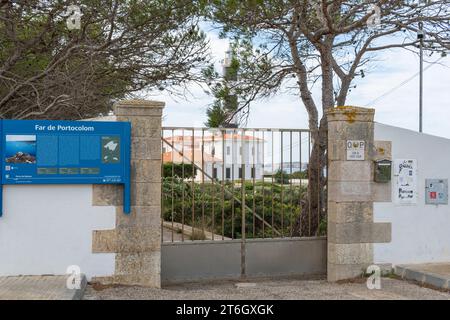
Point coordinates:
[(136, 240), (351, 193)]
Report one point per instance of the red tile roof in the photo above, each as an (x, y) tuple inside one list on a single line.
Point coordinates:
[(227, 136), (176, 157)]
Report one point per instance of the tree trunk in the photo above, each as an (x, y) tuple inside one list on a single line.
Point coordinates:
[(312, 221), (313, 212)]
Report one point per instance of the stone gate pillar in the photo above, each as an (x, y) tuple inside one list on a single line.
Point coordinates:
[(351, 193), (137, 237)]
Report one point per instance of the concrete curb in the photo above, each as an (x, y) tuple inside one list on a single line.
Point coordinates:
[(423, 277)]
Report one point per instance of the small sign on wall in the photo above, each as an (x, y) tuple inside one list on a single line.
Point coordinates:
[(436, 191), (405, 182), (356, 150)]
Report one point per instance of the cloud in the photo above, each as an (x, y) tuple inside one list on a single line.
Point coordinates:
[(400, 108)]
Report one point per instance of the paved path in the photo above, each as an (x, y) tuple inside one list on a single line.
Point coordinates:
[(38, 288), (167, 236), (280, 289)]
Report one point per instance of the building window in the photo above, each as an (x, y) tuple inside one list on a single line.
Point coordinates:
[(214, 173), (240, 172), (228, 173), (228, 150)]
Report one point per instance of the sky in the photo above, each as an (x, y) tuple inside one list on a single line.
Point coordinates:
[(399, 108)]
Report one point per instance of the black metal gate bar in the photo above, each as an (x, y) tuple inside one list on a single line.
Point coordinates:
[(226, 166)]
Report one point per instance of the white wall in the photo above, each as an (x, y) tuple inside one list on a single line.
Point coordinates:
[(420, 233), (45, 229)]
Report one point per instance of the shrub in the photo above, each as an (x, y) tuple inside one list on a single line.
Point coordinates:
[(299, 175), (197, 235), (178, 170), (265, 197), (281, 177)]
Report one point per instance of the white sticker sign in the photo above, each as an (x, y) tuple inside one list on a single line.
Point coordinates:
[(355, 150), (405, 182)]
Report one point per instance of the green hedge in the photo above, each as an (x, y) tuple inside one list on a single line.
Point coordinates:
[(283, 210), (283, 177), (177, 170)]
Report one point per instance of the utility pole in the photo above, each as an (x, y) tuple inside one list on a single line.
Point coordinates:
[(420, 37)]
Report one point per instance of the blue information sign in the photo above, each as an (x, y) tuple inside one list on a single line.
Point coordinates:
[(66, 152)]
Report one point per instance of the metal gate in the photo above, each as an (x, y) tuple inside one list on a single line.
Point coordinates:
[(234, 204)]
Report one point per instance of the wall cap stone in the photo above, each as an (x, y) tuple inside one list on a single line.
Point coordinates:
[(140, 103), (138, 108), (350, 114)]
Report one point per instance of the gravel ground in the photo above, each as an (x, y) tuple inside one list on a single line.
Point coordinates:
[(392, 289)]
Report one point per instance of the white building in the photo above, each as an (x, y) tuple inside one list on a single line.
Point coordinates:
[(223, 156)]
